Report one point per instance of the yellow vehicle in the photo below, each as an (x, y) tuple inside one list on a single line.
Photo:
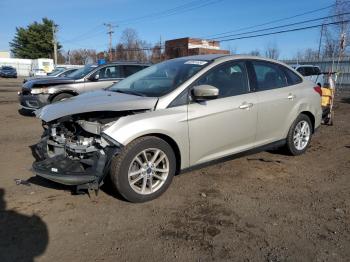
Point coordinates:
[(327, 102)]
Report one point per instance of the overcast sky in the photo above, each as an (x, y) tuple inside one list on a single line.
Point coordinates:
[(81, 21)]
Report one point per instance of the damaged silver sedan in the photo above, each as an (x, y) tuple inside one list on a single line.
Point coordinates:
[(172, 116)]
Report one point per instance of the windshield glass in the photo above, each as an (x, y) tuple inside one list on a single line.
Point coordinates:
[(160, 79), (81, 72), (56, 71)]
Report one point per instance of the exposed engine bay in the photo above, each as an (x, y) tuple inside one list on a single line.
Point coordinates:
[(75, 151)]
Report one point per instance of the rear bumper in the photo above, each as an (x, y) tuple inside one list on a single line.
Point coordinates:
[(33, 102)]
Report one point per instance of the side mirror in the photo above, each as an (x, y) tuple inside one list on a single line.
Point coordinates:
[(205, 92), (94, 77)]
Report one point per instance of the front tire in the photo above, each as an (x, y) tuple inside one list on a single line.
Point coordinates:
[(144, 169), (299, 135), (61, 97)]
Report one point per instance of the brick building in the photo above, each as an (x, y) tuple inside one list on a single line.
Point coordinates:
[(192, 46)]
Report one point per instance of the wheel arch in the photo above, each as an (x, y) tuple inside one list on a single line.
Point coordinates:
[(71, 92), (172, 144), (312, 118)]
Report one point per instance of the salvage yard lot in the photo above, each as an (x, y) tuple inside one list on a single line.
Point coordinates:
[(262, 207)]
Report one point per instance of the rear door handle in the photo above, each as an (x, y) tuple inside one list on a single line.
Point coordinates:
[(245, 105)]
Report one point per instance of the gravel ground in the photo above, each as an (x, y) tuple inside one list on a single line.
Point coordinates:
[(262, 207)]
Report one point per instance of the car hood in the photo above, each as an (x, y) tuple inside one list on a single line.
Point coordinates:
[(38, 78), (96, 101), (46, 81)]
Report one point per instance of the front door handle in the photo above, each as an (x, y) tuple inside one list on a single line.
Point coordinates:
[(245, 105), (291, 96)]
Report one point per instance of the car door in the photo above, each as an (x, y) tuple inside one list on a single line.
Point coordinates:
[(226, 125), (276, 99), (107, 76)]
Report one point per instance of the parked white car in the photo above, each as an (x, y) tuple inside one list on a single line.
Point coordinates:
[(312, 73)]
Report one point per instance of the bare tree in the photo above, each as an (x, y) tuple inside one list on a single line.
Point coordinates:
[(333, 43), (308, 54), (272, 51), (255, 52), (82, 56), (156, 53), (131, 47)]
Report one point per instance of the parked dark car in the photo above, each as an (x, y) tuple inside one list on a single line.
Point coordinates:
[(8, 72), (40, 92)]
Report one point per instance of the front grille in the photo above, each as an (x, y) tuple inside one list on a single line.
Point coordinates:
[(25, 91)]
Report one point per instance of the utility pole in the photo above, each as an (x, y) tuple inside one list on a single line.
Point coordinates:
[(110, 33), (54, 42), (320, 43), (160, 49)]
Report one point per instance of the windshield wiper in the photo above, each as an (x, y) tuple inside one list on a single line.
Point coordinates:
[(129, 92)]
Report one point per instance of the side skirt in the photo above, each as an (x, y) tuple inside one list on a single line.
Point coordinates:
[(273, 145)]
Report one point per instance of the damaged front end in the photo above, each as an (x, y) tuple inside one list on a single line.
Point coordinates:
[(75, 151)]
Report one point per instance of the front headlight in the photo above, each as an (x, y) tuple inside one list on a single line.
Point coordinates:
[(36, 91)]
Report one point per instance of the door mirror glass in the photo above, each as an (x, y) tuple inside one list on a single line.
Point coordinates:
[(205, 92)]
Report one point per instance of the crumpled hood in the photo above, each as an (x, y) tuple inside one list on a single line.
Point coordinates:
[(46, 81), (94, 102)]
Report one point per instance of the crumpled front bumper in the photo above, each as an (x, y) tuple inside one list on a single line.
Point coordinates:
[(66, 171), (32, 102), (73, 172)]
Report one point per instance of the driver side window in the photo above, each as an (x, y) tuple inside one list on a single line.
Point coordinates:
[(108, 72), (231, 79)]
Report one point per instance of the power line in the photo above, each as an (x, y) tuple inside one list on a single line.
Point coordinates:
[(285, 31), (174, 11), (281, 26), (270, 22), (76, 40), (87, 33), (160, 12), (169, 12)]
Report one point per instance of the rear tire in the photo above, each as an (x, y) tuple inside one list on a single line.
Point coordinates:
[(61, 97), (299, 135), (144, 169)]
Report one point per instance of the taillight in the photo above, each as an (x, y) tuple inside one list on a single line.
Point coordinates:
[(318, 90)]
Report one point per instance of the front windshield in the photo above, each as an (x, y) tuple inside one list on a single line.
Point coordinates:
[(160, 79), (80, 73), (56, 71)]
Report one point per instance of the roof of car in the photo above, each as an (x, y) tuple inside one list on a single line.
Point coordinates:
[(203, 57), (127, 63), (298, 65)]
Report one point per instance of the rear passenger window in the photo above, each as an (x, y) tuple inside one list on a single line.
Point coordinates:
[(269, 76), (292, 78), (131, 69)]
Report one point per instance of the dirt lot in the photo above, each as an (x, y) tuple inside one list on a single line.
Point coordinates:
[(263, 207)]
